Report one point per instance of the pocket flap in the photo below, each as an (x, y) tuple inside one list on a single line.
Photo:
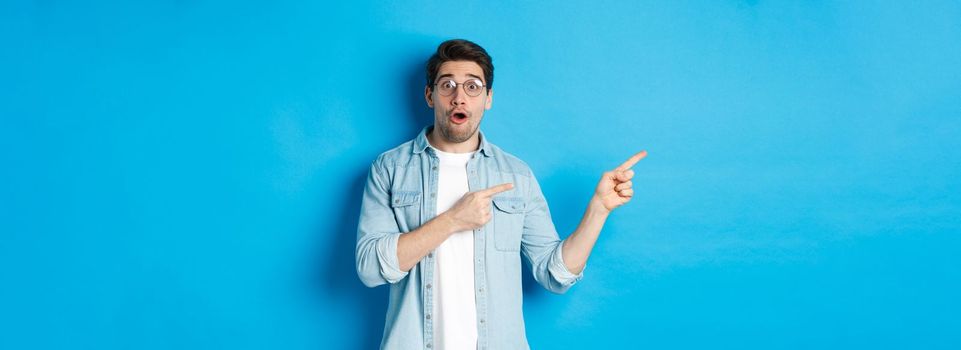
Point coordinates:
[(509, 204), (404, 198)]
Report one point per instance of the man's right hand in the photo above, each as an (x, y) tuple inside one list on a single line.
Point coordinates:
[(473, 210)]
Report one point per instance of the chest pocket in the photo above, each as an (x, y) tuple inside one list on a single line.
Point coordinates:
[(508, 223), (406, 209)]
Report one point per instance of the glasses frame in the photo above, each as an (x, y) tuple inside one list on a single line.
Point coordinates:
[(460, 85)]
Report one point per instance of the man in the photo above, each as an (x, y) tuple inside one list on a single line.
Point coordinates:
[(446, 216)]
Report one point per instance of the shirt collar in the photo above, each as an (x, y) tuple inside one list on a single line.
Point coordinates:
[(420, 143)]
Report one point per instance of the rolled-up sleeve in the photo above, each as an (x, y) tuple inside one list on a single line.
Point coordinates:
[(559, 269), (541, 245), (377, 232)]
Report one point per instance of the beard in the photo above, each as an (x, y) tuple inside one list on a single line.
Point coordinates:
[(457, 133)]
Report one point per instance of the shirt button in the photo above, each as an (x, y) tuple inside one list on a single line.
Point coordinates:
[(481, 290), (428, 286), (428, 316), (432, 195), (434, 167), (482, 320), (430, 255), (428, 345)]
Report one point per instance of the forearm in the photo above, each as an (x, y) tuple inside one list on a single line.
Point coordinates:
[(414, 245), (577, 247)]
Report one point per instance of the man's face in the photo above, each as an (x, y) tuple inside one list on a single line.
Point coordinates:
[(457, 116)]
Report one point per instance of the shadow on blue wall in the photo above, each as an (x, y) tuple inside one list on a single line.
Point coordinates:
[(337, 276)]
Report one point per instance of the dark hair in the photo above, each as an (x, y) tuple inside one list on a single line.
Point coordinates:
[(460, 50)]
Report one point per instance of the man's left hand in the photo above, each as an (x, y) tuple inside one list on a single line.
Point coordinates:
[(615, 188)]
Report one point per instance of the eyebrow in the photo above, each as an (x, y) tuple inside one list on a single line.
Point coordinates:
[(448, 75)]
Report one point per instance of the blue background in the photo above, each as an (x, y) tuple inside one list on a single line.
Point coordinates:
[(187, 174)]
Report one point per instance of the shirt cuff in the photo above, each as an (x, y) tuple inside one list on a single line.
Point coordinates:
[(560, 272), (387, 256)]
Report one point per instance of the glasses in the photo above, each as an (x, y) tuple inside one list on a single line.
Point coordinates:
[(472, 87)]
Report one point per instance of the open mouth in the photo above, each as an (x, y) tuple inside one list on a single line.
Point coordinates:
[(458, 118)]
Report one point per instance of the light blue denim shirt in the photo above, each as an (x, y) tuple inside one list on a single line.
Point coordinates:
[(400, 196)]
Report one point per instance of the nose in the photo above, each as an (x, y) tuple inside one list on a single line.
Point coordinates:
[(459, 97)]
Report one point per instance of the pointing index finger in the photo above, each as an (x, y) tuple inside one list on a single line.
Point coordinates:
[(633, 160), (496, 189)]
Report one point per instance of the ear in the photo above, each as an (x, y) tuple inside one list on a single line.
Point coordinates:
[(490, 99), (428, 97)]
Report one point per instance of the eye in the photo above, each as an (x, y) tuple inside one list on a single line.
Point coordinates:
[(448, 85)]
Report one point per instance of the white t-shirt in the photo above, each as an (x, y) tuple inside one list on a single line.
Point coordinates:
[(455, 311)]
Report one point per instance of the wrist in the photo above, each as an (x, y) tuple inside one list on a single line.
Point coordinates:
[(447, 221), (596, 206)]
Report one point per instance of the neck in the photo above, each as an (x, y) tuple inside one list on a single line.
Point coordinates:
[(471, 145)]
